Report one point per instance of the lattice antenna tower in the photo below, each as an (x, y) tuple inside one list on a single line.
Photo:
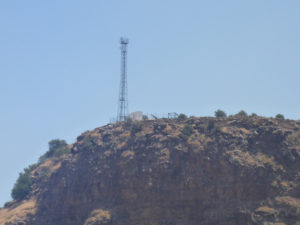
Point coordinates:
[(123, 92)]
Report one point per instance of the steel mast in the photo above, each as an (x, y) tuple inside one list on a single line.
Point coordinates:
[(123, 92)]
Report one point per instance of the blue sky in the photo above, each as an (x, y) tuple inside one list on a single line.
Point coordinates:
[(60, 65)]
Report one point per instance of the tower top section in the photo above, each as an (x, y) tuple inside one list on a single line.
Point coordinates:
[(124, 42)]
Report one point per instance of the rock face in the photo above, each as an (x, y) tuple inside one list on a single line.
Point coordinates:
[(208, 171)]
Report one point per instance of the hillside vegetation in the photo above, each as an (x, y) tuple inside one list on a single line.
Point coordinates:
[(187, 171)]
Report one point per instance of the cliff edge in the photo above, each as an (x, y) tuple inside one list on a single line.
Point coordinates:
[(224, 171)]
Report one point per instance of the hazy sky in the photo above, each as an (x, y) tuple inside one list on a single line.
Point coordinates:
[(60, 65)]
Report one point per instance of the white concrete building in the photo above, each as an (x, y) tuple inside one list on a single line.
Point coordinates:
[(138, 115)]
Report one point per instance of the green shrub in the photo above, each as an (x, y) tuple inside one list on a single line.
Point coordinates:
[(253, 114), (145, 117), (182, 116), (128, 122), (220, 114), (87, 143), (212, 128), (22, 187), (23, 184), (44, 172), (187, 130), (280, 116), (56, 148), (242, 113), (135, 127), (6, 205)]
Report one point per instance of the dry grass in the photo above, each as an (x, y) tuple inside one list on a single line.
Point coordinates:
[(128, 154), (235, 132), (157, 145), (55, 167), (244, 130), (98, 215), (164, 155), (287, 185), (121, 145), (168, 128), (243, 158), (258, 160), (225, 130), (47, 163), (268, 160), (294, 202), (18, 213), (293, 139), (96, 137), (52, 166), (107, 153), (196, 142), (266, 210), (147, 130), (125, 134)]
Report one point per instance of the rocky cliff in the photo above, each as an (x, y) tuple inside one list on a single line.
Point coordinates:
[(208, 171)]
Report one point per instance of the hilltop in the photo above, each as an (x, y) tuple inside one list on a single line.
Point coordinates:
[(225, 171)]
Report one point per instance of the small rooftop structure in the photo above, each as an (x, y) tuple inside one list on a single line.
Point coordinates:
[(172, 115), (138, 115)]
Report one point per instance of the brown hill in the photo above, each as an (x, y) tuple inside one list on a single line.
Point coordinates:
[(209, 171)]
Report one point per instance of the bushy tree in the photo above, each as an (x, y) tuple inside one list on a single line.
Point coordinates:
[(280, 116), (182, 116), (23, 184), (57, 148), (219, 113), (242, 113), (187, 130), (253, 115)]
